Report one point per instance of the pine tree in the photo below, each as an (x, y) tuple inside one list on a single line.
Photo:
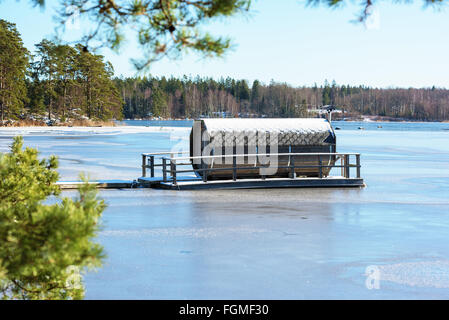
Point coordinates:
[(13, 66), (44, 247), (101, 97), (45, 71), (65, 72)]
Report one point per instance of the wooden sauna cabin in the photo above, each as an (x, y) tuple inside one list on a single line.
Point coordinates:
[(260, 136)]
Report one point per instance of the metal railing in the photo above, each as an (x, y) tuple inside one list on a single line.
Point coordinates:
[(148, 160), (170, 165)]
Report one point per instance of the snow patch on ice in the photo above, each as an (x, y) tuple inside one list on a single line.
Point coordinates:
[(417, 274), (50, 131), (183, 232)]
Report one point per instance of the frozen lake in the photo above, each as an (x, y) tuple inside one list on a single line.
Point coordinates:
[(267, 244)]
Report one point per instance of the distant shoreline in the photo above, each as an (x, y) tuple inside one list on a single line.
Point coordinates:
[(122, 123), (343, 120)]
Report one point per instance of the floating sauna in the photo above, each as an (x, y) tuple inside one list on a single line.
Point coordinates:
[(253, 137)]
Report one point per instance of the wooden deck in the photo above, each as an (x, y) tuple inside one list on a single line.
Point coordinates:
[(168, 177), (173, 178), (267, 183), (154, 181), (194, 183)]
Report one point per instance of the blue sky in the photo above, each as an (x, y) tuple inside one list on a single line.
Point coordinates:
[(405, 45)]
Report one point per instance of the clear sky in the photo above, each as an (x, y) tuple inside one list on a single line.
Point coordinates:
[(404, 45)]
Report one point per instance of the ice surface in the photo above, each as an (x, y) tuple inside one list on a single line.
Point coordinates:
[(274, 243)]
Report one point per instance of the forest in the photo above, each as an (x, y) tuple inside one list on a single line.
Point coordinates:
[(58, 83), (193, 97)]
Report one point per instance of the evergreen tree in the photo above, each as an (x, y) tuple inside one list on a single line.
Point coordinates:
[(255, 96), (244, 92), (36, 103), (66, 71), (101, 97), (159, 102), (13, 67), (44, 247), (326, 93), (45, 71)]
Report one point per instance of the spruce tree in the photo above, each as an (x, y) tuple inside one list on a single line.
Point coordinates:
[(159, 102)]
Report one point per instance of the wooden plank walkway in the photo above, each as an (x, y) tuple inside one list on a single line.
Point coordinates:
[(101, 184)]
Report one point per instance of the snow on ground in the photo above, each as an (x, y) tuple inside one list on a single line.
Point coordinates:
[(43, 131)]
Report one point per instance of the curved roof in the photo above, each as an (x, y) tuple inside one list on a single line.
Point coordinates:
[(287, 131)]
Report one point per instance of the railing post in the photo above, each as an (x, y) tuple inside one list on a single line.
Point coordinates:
[(164, 169), (346, 165), (320, 164), (144, 169), (173, 170), (234, 168), (342, 163), (357, 159), (152, 166), (203, 166), (292, 166)]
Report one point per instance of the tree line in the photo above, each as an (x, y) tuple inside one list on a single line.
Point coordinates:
[(194, 97), (188, 97)]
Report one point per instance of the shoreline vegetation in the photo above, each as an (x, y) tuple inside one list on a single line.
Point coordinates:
[(120, 123), (69, 123)]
